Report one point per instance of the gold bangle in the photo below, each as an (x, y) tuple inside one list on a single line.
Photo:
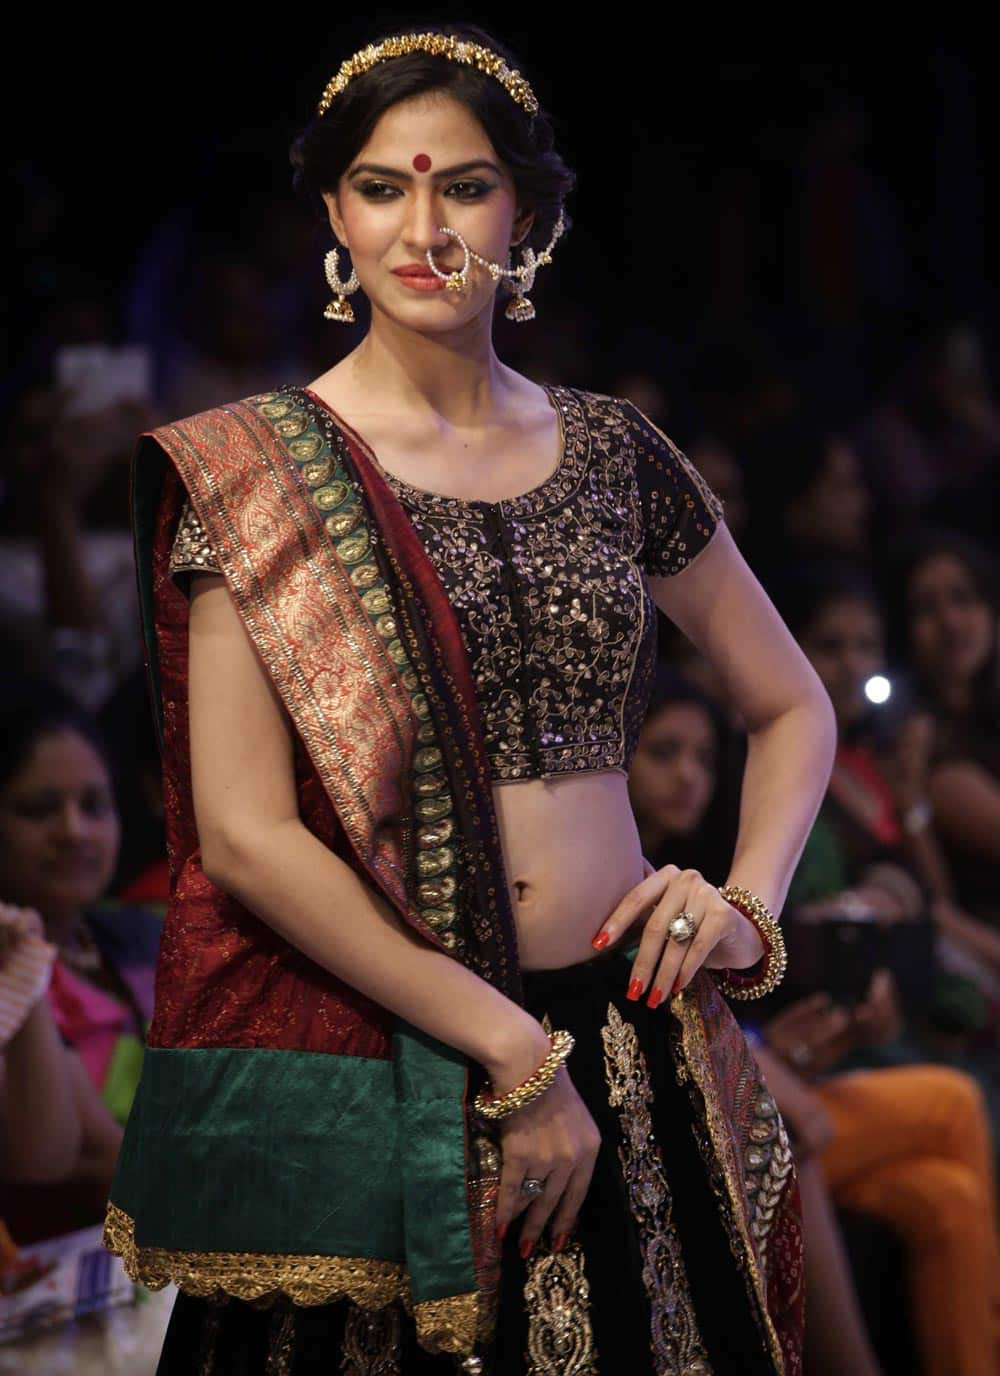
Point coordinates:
[(561, 1044), (737, 986)]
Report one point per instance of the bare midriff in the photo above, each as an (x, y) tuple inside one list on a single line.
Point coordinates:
[(572, 852)]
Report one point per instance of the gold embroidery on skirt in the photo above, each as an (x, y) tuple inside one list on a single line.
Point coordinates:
[(371, 1342), (557, 1296), (280, 1338), (209, 1338), (677, 1345)]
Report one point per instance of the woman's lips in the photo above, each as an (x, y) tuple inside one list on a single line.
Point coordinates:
[(419, 278)]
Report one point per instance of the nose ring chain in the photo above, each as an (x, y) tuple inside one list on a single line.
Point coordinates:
[(521, 278), (453, 281)]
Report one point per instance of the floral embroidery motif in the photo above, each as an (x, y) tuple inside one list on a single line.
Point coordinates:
[(557, 1296), (675, 1341), (371, 1342), (549, 586)]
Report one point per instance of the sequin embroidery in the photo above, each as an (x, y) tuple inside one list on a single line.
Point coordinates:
[(550, 587)]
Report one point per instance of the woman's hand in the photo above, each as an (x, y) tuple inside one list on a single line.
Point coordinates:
[(812, 1034), (16, 924), (724, 938), (878, 1018), (552, 1138)]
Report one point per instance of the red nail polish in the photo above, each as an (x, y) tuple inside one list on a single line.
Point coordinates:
[(501, 1231), (677, 985), (526, 1248), (600, 941), (655, 995), (560, 1242), (634, 990)]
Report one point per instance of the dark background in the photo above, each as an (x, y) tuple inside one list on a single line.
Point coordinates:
[(696, 155)]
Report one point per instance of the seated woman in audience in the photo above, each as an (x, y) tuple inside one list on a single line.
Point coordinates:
[(909, 1145), (41, 1135), (876, 847), (59, 838), (946, 603)]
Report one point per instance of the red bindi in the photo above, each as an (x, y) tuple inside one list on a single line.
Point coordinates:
[(422, 162)]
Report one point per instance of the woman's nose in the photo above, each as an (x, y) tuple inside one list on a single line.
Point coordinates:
[(423, 224), (73, 821)]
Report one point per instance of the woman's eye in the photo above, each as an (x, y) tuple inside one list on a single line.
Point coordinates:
[(378, 191), (468, 190)]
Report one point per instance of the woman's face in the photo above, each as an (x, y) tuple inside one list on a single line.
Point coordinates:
[(428, 163), (844, 645), (673, 771), (834, 509), (59, 828), (952, 630)]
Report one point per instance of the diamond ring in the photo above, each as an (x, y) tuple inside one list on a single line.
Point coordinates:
[(532, 1186), (683, 927)]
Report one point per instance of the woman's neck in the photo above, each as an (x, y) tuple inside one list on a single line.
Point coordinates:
[(61, 923), (954, 694), (454, 376)]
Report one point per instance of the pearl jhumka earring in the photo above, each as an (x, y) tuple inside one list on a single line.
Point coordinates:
[(339, 309)]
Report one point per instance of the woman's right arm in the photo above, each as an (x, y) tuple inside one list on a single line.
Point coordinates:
[(255, 846)]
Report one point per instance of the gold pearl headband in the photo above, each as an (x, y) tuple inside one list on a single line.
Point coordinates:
[(440, 45)]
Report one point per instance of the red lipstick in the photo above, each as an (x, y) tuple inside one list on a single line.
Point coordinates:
[(419, 277)]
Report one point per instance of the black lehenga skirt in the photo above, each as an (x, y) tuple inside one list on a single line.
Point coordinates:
[(649, 1284)]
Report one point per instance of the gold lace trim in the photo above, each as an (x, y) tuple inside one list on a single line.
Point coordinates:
[(675, 1340), (448, 1324), (694, 1048), (557, 1295)]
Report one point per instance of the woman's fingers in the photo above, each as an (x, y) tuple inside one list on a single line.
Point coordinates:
[(541, 1207), (656, 952), (564, 1219), (650, 890), (682, 959), (510, 1200)]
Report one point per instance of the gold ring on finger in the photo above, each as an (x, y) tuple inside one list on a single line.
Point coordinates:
[(683, 928)]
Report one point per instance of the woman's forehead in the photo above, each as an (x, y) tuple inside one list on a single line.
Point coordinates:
[(434, 124)]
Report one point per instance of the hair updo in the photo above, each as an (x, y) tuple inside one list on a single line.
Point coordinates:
[(322, 151)]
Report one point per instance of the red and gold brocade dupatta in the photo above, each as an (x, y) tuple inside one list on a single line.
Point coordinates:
[(290, 1135)]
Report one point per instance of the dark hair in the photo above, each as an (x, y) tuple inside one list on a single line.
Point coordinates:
[(671, 688), (709, 848), (806, 589), (32, 707), (322, 151), (909, 557)]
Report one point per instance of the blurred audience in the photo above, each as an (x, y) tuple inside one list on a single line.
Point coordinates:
[(59, 838), (910, 1146), (946, 604), (809, 499)]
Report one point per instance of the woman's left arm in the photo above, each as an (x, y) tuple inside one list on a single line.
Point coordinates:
[(718, 603)]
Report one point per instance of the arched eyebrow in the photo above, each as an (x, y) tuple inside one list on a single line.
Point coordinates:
[(374, 169)]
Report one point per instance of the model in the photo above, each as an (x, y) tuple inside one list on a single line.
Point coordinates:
[(442, 1075)]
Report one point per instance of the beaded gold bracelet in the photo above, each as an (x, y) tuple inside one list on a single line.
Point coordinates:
[(737, 986), (561, 1043)]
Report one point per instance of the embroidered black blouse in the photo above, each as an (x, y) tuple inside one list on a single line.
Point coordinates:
[(549, 587)]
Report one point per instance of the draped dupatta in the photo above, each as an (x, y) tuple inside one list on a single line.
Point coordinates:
[(289, 1135)]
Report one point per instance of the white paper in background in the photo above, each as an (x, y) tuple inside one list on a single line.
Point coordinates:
[(99, 375), (81, 1318)]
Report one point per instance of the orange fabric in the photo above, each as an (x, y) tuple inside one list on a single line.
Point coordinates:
[(912, 1146)]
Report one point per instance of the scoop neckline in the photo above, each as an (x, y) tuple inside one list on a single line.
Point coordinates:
[(426, 494)]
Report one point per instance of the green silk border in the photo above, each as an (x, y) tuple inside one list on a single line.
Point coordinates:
[(290, 1152)]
